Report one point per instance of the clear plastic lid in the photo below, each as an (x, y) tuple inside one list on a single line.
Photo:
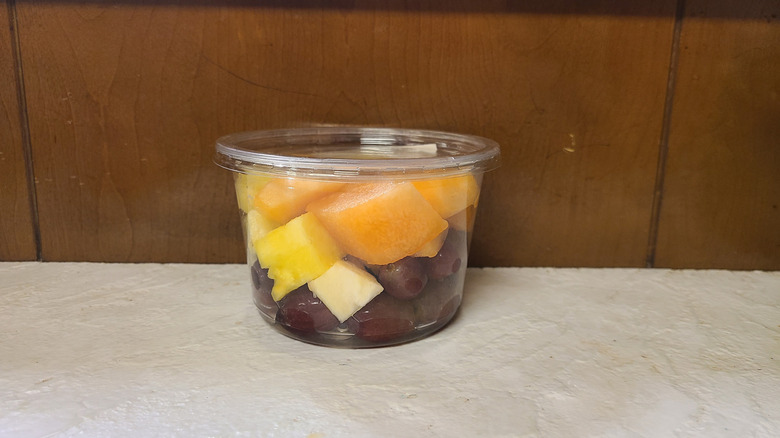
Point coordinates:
[(356, 153)]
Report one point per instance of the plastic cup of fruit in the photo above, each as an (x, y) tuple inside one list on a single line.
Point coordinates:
[(357, 237)]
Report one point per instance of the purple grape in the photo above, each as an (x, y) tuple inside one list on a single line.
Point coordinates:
[(444, 264), (432, 305), (383, 319), (449, 308), (449, 259), (301, 311), (404, 279), (262, 287)]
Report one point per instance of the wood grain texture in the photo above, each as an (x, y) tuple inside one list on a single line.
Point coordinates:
[(580, 125), (123, 136), (126, 101), (721, 201), (17, 239)]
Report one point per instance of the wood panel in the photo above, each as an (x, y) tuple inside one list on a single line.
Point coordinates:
[(721, 201), (580, 125), (117, 95), (17, 241), (126, 101)]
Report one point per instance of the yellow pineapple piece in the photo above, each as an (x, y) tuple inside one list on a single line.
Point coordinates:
[(296, 253), (345, 289), (257, 226)]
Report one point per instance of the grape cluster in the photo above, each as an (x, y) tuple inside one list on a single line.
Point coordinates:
[(422, 294)]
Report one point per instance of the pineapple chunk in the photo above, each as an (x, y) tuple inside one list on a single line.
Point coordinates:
[(345, 289), (247, 186), (257, 226), (296, 253)]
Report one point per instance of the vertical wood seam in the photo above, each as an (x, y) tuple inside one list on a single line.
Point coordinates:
[(663, 144), (25, 125)]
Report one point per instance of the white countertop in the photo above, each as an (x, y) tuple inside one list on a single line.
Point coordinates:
[(143, 350)]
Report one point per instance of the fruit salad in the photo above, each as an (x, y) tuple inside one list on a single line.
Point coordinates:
[(357, 264), (357, 236)]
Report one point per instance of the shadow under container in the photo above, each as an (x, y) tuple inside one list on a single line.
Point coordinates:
[(357, 237)]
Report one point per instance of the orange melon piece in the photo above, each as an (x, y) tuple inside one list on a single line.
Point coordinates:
[(379, 223), (247, 187), (282, 199), (449, 195), (464, 219), (432, 247)]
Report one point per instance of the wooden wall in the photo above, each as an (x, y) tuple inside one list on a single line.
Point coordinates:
[(633, 133), (17, 241)]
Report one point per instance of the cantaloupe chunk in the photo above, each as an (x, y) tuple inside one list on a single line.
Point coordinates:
[(296, 253), (380, 222), (247, 187), (432, 247), (464, 219), (285, 198), (449, 195)]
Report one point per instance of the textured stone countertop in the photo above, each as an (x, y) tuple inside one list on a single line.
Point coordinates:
[(115, 350)]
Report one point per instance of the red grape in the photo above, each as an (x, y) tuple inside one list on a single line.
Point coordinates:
[(440, 299), (451, 257), (445, 263), (383, 319), (262, 286), (300, 310), (404, 279)]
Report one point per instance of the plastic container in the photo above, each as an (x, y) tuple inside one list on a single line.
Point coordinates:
[(357, 237)]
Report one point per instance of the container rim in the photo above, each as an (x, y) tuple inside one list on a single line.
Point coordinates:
[(299, 152)]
